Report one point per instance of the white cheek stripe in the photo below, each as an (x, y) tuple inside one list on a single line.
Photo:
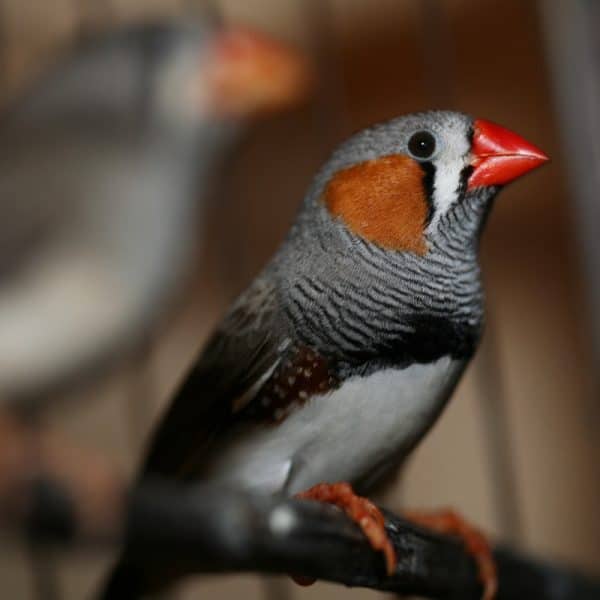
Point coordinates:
[(449, 163), (446, 181)]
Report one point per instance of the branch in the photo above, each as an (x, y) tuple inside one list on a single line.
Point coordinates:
[(213, 530), (56, 493)]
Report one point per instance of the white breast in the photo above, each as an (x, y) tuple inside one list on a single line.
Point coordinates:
[(344, 435)]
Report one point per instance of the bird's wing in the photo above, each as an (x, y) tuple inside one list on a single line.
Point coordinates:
[(237, 361)]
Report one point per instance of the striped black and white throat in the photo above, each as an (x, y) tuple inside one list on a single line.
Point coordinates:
[(366, 308)]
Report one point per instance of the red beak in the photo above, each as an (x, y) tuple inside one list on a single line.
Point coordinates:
[(499, 155), (254, 74)]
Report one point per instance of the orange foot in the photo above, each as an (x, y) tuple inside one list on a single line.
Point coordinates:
[(450, 523), (361, 511)]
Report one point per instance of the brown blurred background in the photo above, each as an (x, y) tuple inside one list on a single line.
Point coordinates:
[(517, 450)]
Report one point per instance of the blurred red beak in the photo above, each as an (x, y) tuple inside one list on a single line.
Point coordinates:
[(253, 73), (499, 155)]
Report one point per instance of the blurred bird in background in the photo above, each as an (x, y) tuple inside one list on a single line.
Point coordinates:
[(105, 163), (342, 353)]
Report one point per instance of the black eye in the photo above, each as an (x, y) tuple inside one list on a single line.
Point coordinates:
[(422, 144)]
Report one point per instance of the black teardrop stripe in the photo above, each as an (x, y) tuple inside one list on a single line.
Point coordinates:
[(428, 169)]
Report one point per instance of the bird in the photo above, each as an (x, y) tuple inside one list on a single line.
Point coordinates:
[(332, 365), (106, 161)]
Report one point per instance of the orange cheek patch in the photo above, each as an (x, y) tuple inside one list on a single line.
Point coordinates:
[(383, 201)]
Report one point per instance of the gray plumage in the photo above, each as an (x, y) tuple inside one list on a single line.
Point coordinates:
[(101, 164)]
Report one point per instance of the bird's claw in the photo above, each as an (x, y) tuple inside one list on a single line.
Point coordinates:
[(361, 510), (449, 522)]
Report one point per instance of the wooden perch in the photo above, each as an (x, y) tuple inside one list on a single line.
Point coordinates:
[(212, 530), (55, 493)]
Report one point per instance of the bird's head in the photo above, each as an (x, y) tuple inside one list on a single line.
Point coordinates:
[(174, 72), (230, 73), (382, 260), (405, 184)]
